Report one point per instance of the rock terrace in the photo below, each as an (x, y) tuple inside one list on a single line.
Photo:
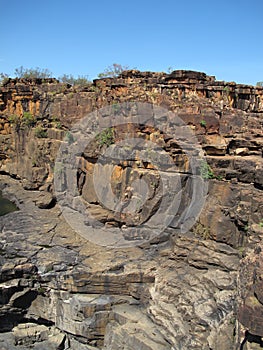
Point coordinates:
[(201, 289)]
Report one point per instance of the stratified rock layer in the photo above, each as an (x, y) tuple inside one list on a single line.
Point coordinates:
[(196, 290)]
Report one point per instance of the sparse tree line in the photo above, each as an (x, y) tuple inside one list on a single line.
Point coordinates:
[(38, 73)]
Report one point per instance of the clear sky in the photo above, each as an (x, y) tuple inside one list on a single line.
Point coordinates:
[(222, 38)]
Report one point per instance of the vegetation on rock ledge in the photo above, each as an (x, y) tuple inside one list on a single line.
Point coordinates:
[(106, 137), (40, 132), (27, 120), (205, 171), (113, 71)]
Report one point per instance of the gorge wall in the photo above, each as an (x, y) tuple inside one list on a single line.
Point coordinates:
[(201, 289)]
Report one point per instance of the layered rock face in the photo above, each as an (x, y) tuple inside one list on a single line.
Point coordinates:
[(199, 288)]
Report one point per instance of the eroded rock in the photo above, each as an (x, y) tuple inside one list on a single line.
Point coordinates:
[(190, 290)]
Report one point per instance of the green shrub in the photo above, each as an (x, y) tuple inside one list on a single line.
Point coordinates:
[(54, 118), (28, 119), (32, 73), (106, 137), (14, 119), (205, 171), (40, 132), (113, 71), (115, 108), (219, 177), (56, 122), (41, 290), (203, 123), (81, 80), (3, 78), (202, 231), (69, 138)]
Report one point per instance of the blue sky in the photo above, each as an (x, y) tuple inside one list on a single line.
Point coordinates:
[(222, 38)]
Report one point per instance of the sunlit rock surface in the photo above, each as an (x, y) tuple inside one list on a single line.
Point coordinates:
[(201, 289)]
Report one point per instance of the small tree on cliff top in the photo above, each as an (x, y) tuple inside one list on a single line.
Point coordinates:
[(3, 78), (70, 79), (31, 73), (113, 71)]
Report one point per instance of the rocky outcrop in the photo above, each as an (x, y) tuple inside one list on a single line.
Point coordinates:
[(197, 289), (224, 116)]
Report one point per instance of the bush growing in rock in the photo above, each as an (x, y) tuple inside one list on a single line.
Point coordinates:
[(28, 119), (81, 80), (106, 137), (14, 119), (40, 132), (32, 73), (3, 78), (205, 171), (113, 71)]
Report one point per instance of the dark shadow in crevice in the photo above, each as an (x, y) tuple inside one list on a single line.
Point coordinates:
[(251, 338), (258, 186), (39, 321), (25, 300), (51, 204), (11, 319)]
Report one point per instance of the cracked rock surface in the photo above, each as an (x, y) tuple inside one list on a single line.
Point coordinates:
[(199, 290), (179, 294)]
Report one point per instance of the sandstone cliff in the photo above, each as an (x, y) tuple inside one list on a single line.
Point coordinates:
[(199, 289)]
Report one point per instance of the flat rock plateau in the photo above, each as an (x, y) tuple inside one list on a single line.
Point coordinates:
[(194, 289)]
